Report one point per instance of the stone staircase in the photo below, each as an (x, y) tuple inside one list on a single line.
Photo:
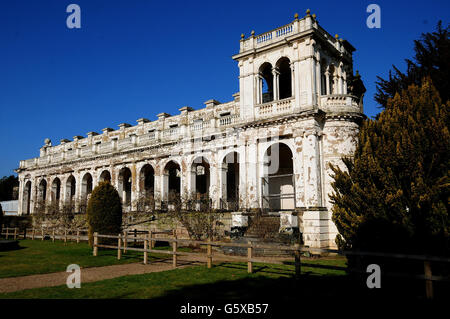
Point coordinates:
[(263, 229)]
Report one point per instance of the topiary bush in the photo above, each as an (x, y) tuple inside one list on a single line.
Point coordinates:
[(104, 211)]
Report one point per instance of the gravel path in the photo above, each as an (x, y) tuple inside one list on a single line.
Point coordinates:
[(87, 275)]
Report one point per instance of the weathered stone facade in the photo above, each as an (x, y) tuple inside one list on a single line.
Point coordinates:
[(270, 147)]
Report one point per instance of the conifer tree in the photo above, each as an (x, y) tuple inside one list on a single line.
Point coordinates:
[(431, 58), (104, 211), (393, 195)]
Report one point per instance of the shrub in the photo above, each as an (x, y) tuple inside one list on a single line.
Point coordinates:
[(104, 211)]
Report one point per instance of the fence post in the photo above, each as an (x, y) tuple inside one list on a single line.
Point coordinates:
[(25, 233), (145, 249), (15, 233), (119, 246), (174, 250), (209, 254), (32, 234), (65, 235), (152, 243), (125, 241), (135, 234), (298, 269), (53, 235), (78, 236), (42, 233), (7, 232), (428, 281), (95, 244), (249, 257)]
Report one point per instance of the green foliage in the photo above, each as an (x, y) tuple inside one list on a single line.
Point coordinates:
[(394, 194), (432, 58), (104, 211), (7, 184)]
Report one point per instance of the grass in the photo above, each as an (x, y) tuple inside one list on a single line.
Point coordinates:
[(225, 280), (41, 257)]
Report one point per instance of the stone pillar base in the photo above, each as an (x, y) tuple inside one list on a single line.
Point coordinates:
[(239, 224), (315, 227)]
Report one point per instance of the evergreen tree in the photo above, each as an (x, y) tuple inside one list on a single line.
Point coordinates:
[(104, 211), (432, 58), (7, 184), (394, 194)]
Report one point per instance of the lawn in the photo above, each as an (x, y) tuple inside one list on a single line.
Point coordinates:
[(223, 281), (40, 257)]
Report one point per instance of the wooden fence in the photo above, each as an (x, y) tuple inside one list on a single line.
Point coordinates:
[(76, 235), (250, 259), (149, 239)]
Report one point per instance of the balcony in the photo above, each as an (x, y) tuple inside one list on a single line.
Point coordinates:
[(275, 108), (340, 103)]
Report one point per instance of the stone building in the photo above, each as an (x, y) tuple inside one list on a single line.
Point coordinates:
[(298, 109)]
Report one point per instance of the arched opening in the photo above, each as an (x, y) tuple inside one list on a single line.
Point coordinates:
[(26, 202), (171, 183), (56, 190), (331, 79), (147, 180), (125, 185), (105, 176), (230, 182), (200, 177), (86, 190), (278, 178), (42, 191), (266, 83), (86, 185), (71, 189), (323, 78), (284, 78)]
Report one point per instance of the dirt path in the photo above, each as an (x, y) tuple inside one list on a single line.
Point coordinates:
[(88, 275)]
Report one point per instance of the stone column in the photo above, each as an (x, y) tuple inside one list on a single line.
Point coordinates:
[(20, 209), (292, 65), (327, 80), (275, 74), (252, 174), (134, 189)]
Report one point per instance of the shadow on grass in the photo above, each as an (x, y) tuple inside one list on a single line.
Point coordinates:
[(279, 287)]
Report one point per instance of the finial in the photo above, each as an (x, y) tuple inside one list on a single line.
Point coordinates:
[(336, 36), (242, 36), (314, 16), (357, 73), (253, 32), (296, 16), (308, 12)]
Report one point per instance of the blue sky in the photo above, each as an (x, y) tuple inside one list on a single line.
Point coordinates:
[(137, 58)]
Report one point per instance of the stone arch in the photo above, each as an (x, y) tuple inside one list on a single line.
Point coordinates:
[(56, 190), (26, 198), (105, 176), (147, 180), (278, 186), (230, 181), (42, 191), (266, 82), (124, 185), (171, 181), (283, 66), (71, 188), (86, 185), (200, 176)]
